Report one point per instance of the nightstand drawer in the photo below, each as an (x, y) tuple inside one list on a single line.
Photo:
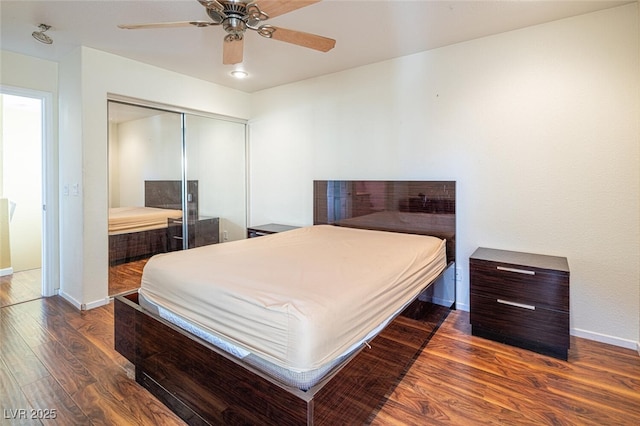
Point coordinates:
[(517, 283), (521, 321)]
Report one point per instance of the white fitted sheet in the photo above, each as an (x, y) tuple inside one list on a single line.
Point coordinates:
[(298, 299)]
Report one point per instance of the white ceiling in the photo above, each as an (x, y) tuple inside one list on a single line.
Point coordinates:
[(366, 32)]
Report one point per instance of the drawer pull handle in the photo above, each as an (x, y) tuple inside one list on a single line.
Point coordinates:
[(518, 271), (516, 304)]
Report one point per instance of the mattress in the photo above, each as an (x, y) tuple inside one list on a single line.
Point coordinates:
[(298, 299), (134, 219)]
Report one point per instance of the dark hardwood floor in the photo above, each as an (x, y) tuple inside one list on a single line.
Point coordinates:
[(59, 361), (23, 286), (53, 357), (125, 277), (20, 287), (462, 379)]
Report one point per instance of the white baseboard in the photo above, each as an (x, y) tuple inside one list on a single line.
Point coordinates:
[(603, 338), (84, 306), (70, 299), (95, 304), (6, 271), (590, 335), (463, 307)]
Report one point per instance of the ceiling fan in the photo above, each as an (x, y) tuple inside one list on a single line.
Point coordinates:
[(237, 16)]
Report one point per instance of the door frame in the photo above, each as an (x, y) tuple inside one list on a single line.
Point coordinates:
[(50, 237)]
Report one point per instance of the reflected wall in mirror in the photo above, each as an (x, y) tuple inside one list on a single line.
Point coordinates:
[(215, 151)]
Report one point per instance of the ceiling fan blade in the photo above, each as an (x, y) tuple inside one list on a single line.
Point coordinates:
[(300, 38), (166, 25), (232, 51), (275, 8)]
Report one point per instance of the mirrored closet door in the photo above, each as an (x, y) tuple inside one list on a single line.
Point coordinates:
[(215, 154), (176, 180)]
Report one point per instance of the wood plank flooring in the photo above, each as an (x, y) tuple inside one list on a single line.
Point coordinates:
[(462, 379), (53, 357), (20, 287), (27, 285), (125, 277)]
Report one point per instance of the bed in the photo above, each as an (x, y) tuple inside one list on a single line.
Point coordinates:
[(317, 339), (138, 232)]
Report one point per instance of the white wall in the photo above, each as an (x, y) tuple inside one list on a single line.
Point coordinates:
[(27, 72), (72, 225), (114, 165), (539, 127), (87, 76)]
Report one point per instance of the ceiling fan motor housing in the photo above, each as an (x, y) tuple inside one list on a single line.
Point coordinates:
[(234, 25), (236, 16)]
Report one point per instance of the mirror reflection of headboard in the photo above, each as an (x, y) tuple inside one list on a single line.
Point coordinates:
[(416, 207), (167, 194)]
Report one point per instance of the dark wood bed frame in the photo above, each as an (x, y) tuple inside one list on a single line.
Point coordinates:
[(163, 194), (205, 385)]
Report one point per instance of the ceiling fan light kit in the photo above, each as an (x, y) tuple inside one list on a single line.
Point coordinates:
[(238, 16)]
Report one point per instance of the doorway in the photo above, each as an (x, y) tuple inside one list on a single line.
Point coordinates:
[(25, 122)]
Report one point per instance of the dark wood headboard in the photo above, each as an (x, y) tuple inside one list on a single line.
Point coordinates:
[(413, 207), (167, 194)]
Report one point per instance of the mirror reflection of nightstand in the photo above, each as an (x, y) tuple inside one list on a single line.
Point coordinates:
[(270, 228), (202, 232)]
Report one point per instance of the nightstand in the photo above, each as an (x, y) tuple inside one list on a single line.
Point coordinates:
[(270, 228), (521, 299), (202, 232)]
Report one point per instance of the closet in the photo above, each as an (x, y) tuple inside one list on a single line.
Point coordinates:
[(177, 180)]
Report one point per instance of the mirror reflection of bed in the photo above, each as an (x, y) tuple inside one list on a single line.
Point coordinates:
[(136, 233)]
